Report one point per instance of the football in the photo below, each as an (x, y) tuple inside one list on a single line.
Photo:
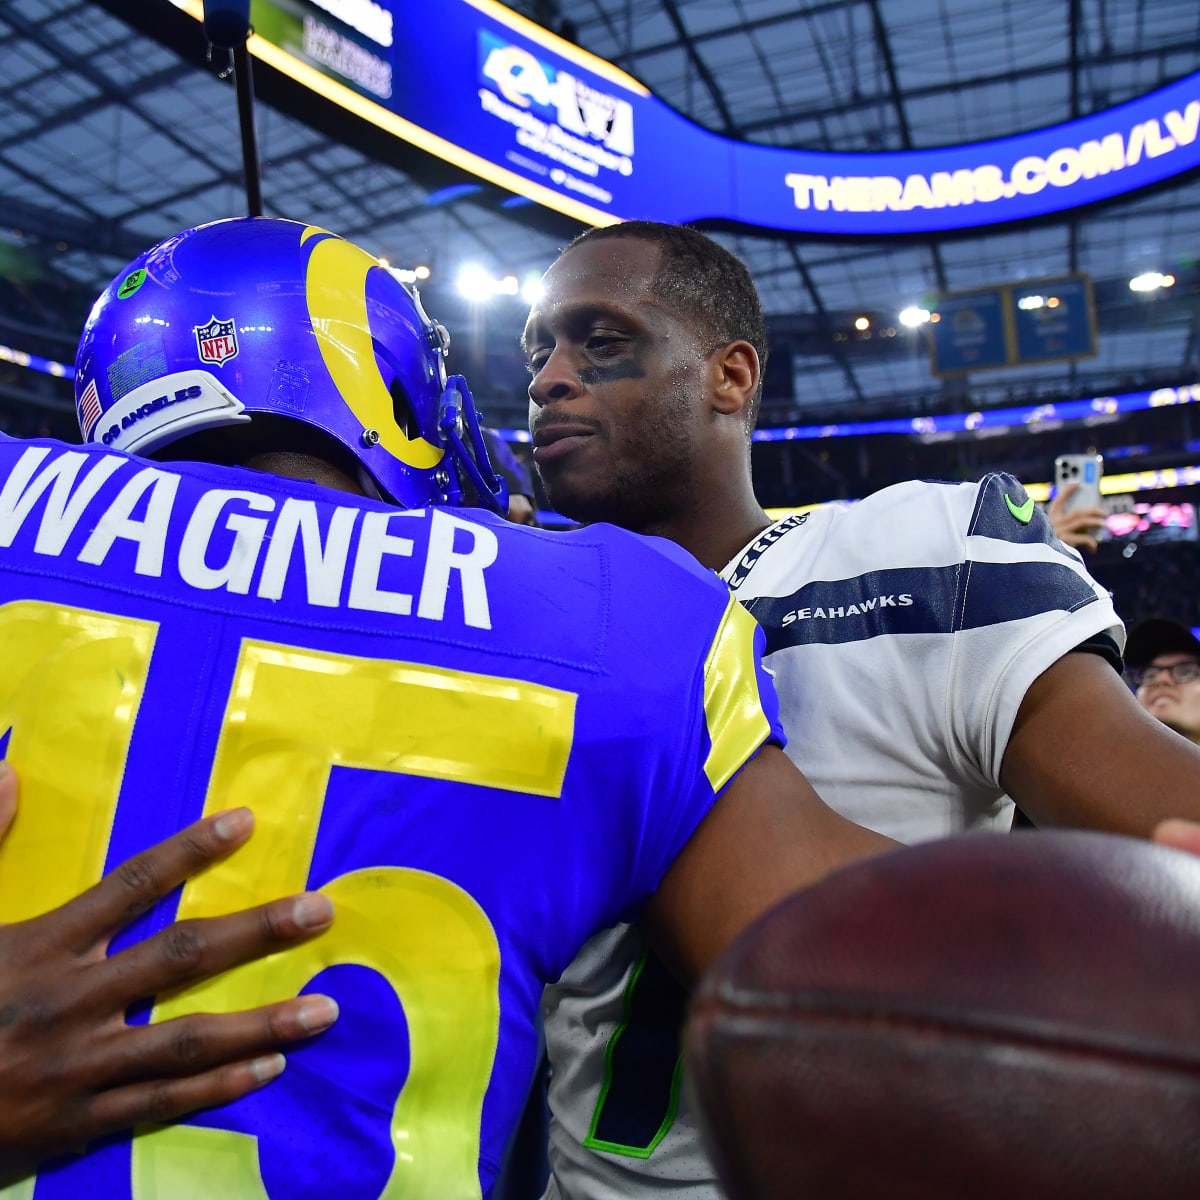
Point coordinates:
[(982, 1017)]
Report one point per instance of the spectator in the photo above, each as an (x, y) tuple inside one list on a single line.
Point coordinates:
[(1162, 662)]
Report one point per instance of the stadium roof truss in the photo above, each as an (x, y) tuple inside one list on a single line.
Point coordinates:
[(110, 139)]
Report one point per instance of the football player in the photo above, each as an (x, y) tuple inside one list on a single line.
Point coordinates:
[(938, 651), (291, 615)]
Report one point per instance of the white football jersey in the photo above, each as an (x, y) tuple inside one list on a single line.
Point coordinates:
[(903, 632)]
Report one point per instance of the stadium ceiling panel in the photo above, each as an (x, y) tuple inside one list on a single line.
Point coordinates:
[(111, 137)]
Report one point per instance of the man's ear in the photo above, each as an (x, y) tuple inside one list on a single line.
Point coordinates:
[(737, 372)]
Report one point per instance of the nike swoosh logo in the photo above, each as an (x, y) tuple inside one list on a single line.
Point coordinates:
[(1023, 512)]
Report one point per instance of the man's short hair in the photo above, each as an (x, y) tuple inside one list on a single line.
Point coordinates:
[(703, 282)]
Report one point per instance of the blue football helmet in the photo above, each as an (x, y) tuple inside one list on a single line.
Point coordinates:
[(259, 318)]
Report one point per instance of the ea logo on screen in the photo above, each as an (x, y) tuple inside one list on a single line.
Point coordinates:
[(524, 80)]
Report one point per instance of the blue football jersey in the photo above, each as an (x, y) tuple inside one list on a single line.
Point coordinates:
[(483, 742)]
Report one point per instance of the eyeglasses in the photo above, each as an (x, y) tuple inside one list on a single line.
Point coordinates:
[(1183, 672)]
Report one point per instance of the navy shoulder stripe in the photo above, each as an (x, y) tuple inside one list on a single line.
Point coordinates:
[(909, 600), (1004, 510), (998, 592), (901, 600)]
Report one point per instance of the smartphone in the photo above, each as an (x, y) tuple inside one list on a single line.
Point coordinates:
[(1085, 470)]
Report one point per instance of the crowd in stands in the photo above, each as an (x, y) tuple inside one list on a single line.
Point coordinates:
[(1159, 581)]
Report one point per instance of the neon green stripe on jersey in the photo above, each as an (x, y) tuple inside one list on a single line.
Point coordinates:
[(737, 725)]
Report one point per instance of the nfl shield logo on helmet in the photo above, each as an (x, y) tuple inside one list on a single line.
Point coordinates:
[(216, 341)]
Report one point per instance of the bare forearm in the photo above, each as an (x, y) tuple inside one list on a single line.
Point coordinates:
[(1084, 753)]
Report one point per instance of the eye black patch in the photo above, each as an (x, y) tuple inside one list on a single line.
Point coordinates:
[(612, 372)]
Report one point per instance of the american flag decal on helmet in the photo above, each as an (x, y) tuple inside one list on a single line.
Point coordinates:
[(89, 409)]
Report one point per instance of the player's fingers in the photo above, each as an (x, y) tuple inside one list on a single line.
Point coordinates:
[(142, 880), (201, 1041), (190, 950), (1179, 834), (156, 1101), (8, 796)]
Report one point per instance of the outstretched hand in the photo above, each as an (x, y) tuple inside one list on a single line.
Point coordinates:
[(71, 1069), (1074, 528)]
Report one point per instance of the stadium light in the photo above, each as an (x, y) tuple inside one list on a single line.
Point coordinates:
[(531, 289), (478, 285), (862, 324), (474, 283), (1150, 281), (912, 316)]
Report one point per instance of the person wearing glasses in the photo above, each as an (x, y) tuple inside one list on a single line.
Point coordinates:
[(1162, 663)]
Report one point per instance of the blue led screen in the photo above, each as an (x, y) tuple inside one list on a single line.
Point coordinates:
[(482, 87), (970, 334), (1054, 319)]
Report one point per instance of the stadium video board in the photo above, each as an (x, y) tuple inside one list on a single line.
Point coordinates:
[(1151, 523), (483, 88), (1013, 325)]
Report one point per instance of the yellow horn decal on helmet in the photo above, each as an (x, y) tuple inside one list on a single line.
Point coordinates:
[(337, 304)]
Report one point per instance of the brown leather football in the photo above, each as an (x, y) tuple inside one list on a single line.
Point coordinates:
[(984, 1017)]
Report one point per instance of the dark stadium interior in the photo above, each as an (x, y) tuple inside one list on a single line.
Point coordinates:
[(115, 131)]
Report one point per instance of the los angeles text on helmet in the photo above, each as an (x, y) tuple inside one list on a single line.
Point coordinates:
[(989, 182), (149, 408), (244, 541)]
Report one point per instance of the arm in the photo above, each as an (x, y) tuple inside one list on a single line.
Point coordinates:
[(1084, 753), (71, 1069), (767, 835), (1074, 528)]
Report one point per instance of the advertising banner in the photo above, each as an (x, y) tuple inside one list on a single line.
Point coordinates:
[(491, 92)]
